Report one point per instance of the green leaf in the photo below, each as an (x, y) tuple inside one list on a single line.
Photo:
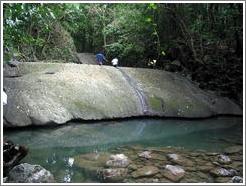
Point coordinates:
[(149, 20), (153, 6)]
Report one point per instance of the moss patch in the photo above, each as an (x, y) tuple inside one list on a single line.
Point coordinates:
[(156, 103)]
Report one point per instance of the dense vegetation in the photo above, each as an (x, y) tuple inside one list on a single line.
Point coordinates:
[(201, 41)]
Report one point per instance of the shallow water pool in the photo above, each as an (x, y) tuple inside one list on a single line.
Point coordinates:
[(53, 147)]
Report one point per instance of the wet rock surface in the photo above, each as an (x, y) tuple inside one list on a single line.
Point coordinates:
[(237, 179), (224, 159), (118, 160), (165, 165), (12, 155), (114, 174), (174, 173), (178, 159), (145, 154), (145, 171), (223, 172), (26, 173), (233, 149)]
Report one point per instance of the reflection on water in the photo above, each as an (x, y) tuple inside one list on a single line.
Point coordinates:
[(54, 148)]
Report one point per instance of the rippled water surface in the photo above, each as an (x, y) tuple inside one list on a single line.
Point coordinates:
[(53, 147)]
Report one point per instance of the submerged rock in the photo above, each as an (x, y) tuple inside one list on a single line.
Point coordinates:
[(92, 161), (235, 165), (178, 159), (237, 179), (118, 160), (133, 167), (206, 167), (174, 173), (234, 149), (114, 175), (86, 92), (173, 157), (211, 154), (196, 177), (145, 171), (223, 172), (26, 173), (223, 180), (145, 154), (224, 159)]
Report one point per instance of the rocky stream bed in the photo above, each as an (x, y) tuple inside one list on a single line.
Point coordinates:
[(164, 165)]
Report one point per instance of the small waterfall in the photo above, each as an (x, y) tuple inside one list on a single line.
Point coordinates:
[(139, 93)]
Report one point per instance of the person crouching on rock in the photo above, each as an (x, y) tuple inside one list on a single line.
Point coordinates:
[(115, 62), (100, 58)]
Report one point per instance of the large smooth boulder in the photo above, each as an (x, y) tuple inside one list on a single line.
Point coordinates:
[(53, 93)]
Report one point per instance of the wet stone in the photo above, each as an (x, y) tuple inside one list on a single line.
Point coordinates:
[(114, 175), (191, 168), (202, 175), (165, 180), (178, 159), (233, 149), (133, 167), (237, 157), (234, 165), (237, 179), (145, 172), (159, 157), (195, 177), (158, 175), (194, 154), (145, 154), (173, 157), (216, 163), (200, 162), (205, 168), (223, 172), (223, 180), (155, 180), (27, 173), (173, 173), (212, 153), (118, 160), (223, 159), (91, 161), (145, 180)]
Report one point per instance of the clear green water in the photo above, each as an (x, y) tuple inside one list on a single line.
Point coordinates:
[(52, 147)]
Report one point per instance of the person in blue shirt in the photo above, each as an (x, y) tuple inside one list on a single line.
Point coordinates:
[(100, 58)]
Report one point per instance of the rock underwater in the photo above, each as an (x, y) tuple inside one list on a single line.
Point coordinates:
[(53, 93)]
